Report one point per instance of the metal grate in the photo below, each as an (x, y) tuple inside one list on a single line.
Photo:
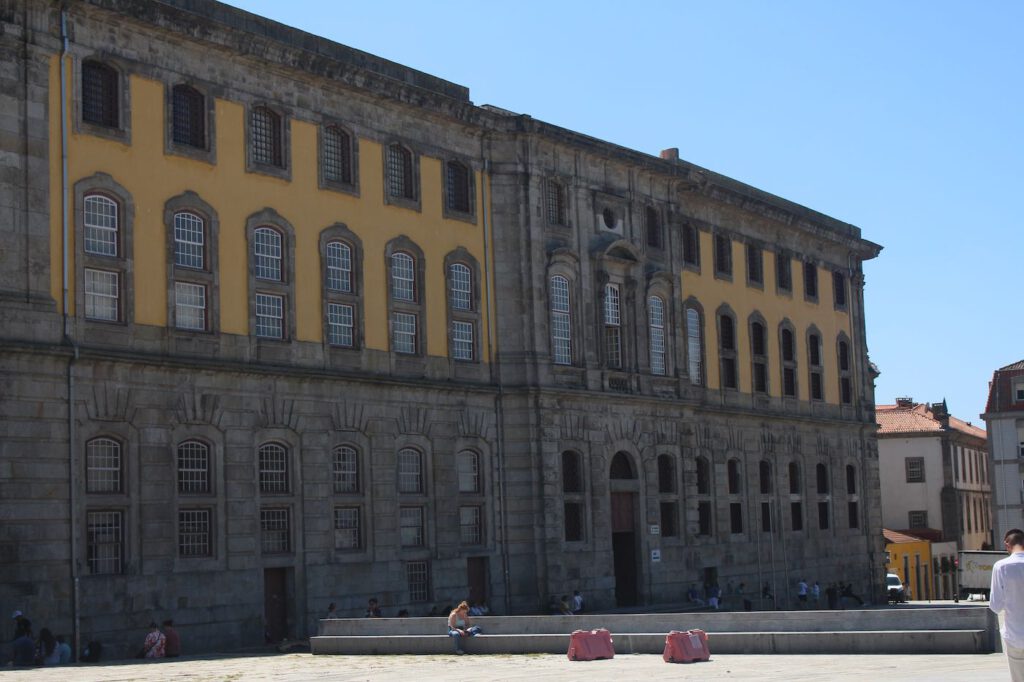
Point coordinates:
[(103, 466), (189, 116), (410, 471), (104, 541), (400, 180), (462, 340), (340, 325), (404, 333), (417, 574), (189, 241), (193, 467), (469, 471), (347, 528), (783, 272), (275, 530), (269, 316), (339, 267), (458, 187), (470, 525), (555, 200), (100, 97), (267, 251), (101, 230), (411, 526), (337, 155), (755, 269), (265, 131), (346, 469), (273, 468), (194, 533), (190, 306), (461, 287)]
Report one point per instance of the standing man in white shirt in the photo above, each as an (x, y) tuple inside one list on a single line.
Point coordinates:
[(1008, 597)]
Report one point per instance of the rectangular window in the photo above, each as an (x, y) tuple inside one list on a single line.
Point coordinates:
[(471, 525), (669, 519), (188, 116), (729, 377), (273, 460), (189, 240), (100, 99), (469, 472), (340, 325), (612, 326), (561, 323), (783, 272), (403, 337), (755, 265), (102, 295), (265, 137), (573, 521), (347, 528), (190, 306), (104, 541), (458, 187), (103, 466), (823, 515), (411, 526), (417, 575), (337, 155), (704, 518), (194, 539), (766, 517), (789, 382), (193, 468), (656, 313), (462, 340), (410, 471), (723, 255), (919, 519), (796, 515), (915, 469), (691, 245), (810, 281), (760, 376), (555, 200), (346, 470), (817, 392), (839, 289), (275, 530), (735, 517), (269, 316), (853, 514), (845, 390), (400, 175)]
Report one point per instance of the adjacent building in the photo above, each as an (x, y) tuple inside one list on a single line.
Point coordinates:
[(283, 323), (1004, 420)]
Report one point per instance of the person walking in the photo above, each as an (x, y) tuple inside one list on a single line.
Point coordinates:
[(1007, 597), (801, 593)]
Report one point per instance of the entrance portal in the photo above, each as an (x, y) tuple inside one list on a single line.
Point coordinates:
[(624, 549), (275, 603), (476, 578)]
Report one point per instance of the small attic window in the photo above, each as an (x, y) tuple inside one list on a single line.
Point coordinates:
[(609, 218), (1018, 391)]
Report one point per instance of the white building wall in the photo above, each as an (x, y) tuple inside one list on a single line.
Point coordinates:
[(899, 497)]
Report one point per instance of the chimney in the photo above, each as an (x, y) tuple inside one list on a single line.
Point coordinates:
[(670, 154), (906, 401), (941, 413)]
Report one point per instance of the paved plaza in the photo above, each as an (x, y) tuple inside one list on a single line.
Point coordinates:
[(534, 668)]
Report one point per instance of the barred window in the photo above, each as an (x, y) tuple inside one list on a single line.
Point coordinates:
[(100, 97), (194, 539), (403, 277), (755, 264), (417, 575), (340, 325), (652, 225), (810, 281), (461, 286), (410, 471), (736, 518), (723, 255), (273, 459), (839, 289), (102, 295), (275, 530), (347, 528), (190, 306), (104, 542), (796, 515), (783, 272), (269, 316), (458, 187), (103, 466), (853, 514), (758, 351), (403, 337), (727, 351), (339, 267), (556, 204), (561, 321), (400, 175), (411, 526), (193, 467), (694, 346), (824, 515), (788, 352), (189, 116), (468, 464), (612, 326), (691, 245), (817, 389), (101, 225), (845, 383), (915, 469), (346, 469), (337, 161), (266, 138), (656, 323), (462, 340), (471, 525), (189, 241), (267, 252)]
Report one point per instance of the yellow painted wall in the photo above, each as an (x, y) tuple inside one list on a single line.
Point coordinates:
[(152, 177), (744, 300), (911, 550)]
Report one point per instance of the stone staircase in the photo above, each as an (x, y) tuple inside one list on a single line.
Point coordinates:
[(902, 630)]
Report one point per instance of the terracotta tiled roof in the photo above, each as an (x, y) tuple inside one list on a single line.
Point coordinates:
[(1016, 365), (918, 418), (896, 537), (1001, 396)]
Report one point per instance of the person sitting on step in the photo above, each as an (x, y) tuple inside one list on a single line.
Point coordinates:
[(459, 626)]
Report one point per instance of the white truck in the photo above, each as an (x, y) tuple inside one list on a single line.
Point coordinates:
[(975, 572)]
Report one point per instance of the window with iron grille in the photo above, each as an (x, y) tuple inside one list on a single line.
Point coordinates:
[(273, 459), (461, 286), (339, 267), (810, 281), (189, 241), (190, 306), (723, 255), (691, 245), (346, 469), (703, 476), (266, 137), (193, 467), (915, 469), (788, 351), (468, 464), (669, 519), (267, 254), (400, 175), (275, 530), (410, 471), (839, 289), (101, 98), (403, 333), (561, 321), (194, 538), (403, 277), (824, 514), (340, 325), (458, 187), (656, 324), (103, 464), (758, 352), (704, 525), (337, 151), (104, 542), (736, 517), (755, 265), (471, 525), (189, 116), (462, 340), (845, 384), (666, 474), (652, 223), (417, 576), (796, 515), (573, 521), (783, 272), (347, 528), (102, 295), (853, 515), (269, 316), (612, 326), (554, 198), (814, 366), (694, 347), (101, 225), (727, 351), (411, 526)]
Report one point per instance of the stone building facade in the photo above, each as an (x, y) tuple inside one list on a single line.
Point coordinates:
[(284, 323), (1004, 426)]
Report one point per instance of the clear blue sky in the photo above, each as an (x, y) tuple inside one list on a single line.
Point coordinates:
[(904, 118)]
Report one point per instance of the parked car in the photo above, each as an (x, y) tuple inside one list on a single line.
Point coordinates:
[(894, 587)]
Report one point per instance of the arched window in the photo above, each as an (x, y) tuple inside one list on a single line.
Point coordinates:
[(561, 321), (734, 478), (193, 467), (266, 138), (101, 98), (822, 478), (703, 476), (410, 471), (794, 478), (103, 466), (267, 254), (400, 176), (656, 324), (189, 241), (572, 474), (622, 467), (346, 469), (694, 346), (765, 476), (337, 155), (403, 277), (461, 286), (189, 116), (273, 461), (339, 266), (666, 474), (101, 225), (468, 463)]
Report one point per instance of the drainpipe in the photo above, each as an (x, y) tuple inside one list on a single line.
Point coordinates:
[(65, 284)]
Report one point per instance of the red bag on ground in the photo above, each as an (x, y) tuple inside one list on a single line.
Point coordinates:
[(686, 647), (588, 645)]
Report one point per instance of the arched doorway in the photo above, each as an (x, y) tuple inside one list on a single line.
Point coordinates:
[(625, 540)]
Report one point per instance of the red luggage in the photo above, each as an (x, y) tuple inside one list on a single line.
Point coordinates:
[(588, 645), (686, 647)]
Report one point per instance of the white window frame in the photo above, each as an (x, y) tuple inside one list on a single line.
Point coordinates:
[(561, 321), (404, 332), (189, 241), (341, 325), (403, 277), (269, 316), (694, 346), (461, 286), (339, 266), (656, 326), (462, 340), (101, 225), (410, 471), (102, 301), (268, 254), (190, 306), (612, 326)]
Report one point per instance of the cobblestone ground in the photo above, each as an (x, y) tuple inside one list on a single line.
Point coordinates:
[(533, 668)]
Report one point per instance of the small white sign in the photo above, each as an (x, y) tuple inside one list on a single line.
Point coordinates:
[(655, 530), (655, 555)]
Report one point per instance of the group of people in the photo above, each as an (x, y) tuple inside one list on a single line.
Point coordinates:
[(566, 606), (159, 643), (46, 649)]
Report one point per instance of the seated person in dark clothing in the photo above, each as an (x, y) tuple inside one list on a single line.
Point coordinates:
[(373, 608), (24, 648), (172, 642)]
